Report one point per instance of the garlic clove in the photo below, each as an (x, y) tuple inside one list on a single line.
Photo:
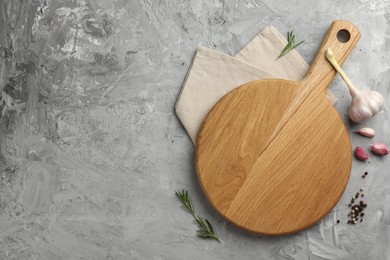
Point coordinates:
[(361, 154), (365, 131), (379, 148)]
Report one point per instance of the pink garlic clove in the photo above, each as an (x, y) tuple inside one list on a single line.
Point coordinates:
[(361, 154), (366, 131), (379, 148)]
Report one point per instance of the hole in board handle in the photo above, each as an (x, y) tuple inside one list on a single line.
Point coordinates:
[(343, 36)]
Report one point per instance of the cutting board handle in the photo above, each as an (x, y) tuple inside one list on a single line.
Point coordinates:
[(342, 37)]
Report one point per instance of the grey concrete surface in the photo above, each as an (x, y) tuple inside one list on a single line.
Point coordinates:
[(91, 151)]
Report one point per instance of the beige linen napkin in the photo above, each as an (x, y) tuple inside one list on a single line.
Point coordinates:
[(213, 74)]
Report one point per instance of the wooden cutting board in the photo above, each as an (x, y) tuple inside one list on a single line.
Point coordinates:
[(274, 156)]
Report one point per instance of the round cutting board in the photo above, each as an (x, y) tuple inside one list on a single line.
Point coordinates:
[(274, 156)]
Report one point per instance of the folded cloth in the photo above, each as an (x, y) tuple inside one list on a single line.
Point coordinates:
[(212, 74)]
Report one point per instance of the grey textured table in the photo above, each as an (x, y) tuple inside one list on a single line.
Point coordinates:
[(91, 151)]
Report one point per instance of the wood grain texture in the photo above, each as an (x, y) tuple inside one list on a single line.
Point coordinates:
[(274, 156)]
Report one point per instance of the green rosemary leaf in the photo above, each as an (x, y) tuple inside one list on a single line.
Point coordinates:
[(208, 235), (290, 44), (209, 225), (205, 228), (202, 223), (187, 205), (204, 234)]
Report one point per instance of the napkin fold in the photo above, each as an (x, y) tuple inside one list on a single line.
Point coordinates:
[(212, 74)]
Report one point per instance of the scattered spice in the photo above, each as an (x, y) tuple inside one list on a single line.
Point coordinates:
[(356, 209)]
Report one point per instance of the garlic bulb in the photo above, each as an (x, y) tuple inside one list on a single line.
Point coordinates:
[(365, 104)]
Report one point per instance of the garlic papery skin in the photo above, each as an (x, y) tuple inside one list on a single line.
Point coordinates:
[(365, 131), (379, 148), (365, 104)]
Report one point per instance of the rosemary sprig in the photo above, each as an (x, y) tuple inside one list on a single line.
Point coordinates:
[(205, 228), (290, 44)]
